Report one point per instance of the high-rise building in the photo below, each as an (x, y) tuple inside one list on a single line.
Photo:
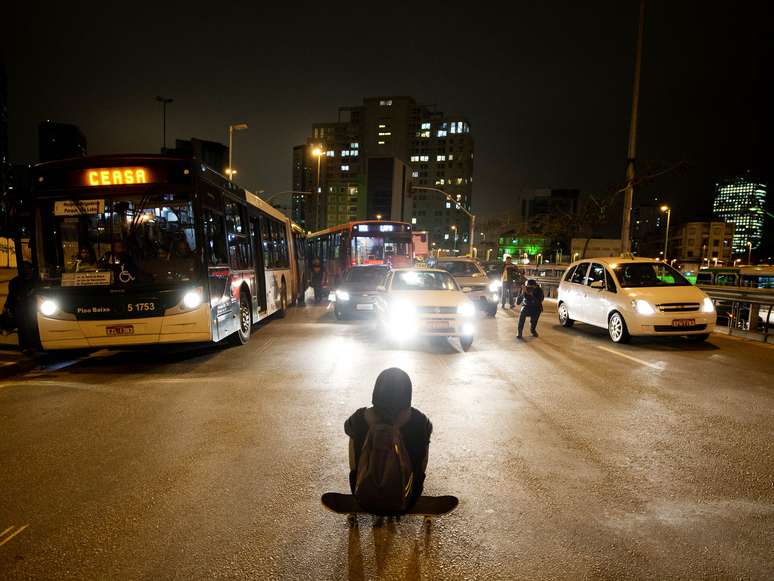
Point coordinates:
[(702, 241), (384, 135), (741, 201), (60, 141)]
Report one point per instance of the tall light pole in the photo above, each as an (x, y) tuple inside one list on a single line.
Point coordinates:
[(231, 128), (749, 253), (668, 211), (454, 229), (164, 101), (459, 206), (626, 223), (318, 153)]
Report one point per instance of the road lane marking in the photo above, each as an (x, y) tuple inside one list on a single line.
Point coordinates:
[(6, 530), (13, 534), (635, 359)]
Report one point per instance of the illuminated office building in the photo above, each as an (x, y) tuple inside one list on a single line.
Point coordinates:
[(741, 202)]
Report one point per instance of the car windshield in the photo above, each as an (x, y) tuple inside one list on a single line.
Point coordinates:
[(118, 241), (417, 280), (366, 275), (648, 274), (460, 267)]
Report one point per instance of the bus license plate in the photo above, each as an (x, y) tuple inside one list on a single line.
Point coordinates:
[(365, 307), (115, 330), (683, 322), (438, 324)]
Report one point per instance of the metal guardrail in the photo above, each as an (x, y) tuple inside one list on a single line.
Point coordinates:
[(746, 311)]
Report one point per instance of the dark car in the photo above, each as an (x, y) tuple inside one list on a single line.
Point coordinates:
[(356, 294)]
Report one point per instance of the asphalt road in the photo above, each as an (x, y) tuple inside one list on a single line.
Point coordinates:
[(573, 459)]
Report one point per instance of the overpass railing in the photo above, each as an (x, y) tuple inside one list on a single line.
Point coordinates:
[(743, 311)]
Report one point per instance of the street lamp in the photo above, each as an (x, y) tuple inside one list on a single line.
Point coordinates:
[(454, 228), (539, 258), (668, 211), (749, 253), (737, 260), (459, 206), (164, 101), (231, 128)]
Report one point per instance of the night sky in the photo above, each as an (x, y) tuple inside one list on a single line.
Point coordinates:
[(545, 85)]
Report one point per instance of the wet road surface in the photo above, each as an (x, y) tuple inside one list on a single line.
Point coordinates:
[(573, 458)]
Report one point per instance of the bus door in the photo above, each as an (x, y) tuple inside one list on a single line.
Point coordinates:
[(260, 266), (218, 269)]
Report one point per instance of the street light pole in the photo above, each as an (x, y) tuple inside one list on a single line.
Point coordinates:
[(164, 101), (231, 128), (668, 211), (459, 206), (749, 253), (626, 243)]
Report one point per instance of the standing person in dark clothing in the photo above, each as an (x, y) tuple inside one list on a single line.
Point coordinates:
[(317, 279), (531, 300), (19, 311), (510, 278), (392, 405)]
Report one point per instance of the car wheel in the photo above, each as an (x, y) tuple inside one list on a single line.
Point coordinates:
[(699, 338), (616, 328), (242, 335), (466, 342), (564, 316)]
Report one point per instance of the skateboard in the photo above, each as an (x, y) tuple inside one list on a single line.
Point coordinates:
[(427, 506)]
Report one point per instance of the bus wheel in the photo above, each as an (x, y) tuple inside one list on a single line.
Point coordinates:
[(283, 310), (242, 335)]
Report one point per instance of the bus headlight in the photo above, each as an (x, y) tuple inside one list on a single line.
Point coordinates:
[(48, 307), (643, 307), (192, 299), (707, 306), (342, 295), (495, 286), (466, 310)]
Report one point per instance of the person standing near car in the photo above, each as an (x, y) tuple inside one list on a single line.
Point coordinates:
[(509, 278), (317, 279), (531, 300)]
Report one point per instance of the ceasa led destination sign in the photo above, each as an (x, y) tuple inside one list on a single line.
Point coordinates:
[(116, 176)]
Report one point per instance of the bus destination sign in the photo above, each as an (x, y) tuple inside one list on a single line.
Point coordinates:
[(116, 176)]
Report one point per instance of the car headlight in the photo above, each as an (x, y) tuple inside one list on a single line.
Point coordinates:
[(192, 298), (643, 307), (48, 307), (402, 310), (495, 286), (707, 306), (468, 329), (466, 310), (342, 295)]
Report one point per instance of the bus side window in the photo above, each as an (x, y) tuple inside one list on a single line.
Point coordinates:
[(704, 278), (215, 238), (267, 243), (238, 237)]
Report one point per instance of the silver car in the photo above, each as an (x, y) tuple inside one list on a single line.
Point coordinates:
[(484, 292)]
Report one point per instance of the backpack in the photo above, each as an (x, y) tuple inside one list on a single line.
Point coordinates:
[(384, 473)]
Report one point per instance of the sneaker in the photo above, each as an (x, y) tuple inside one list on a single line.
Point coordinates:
[(520, 337), (534, 334)]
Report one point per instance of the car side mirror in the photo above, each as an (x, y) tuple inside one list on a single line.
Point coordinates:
[(466, 289), (598, 284), (381, 288)]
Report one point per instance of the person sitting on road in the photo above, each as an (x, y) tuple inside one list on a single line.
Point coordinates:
[(375, 467), (531, 300)]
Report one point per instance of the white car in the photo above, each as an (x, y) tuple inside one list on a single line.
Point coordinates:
[(428, 302), (633, 296), (468, 273)]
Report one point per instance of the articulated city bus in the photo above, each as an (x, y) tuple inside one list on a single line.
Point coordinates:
[(357, 243), (744, 276), (146, 249)]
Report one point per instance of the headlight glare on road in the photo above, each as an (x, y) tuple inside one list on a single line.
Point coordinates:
[(466, 310), (495, 285), (342, 295), (707, 306), (643, 307), (48, 307), (192, 299)]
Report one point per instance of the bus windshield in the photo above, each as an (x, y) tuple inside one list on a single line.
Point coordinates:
[(370, 249), (118, 241), (648, 274)]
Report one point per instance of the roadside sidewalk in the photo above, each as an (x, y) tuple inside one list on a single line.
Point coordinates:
[(12, 360)]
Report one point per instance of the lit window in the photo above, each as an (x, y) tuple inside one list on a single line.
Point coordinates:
[(385, 133), (459, 181), (414, 174), (451, 156), (425, 126), (344, 153), (413, 220), (380, 142), (448, 205), (414, 158), (440, 158), (344, 168), (446, 236), (382, 126), (385, 102), (424, 158), (354, 145), (330, 153), (425, 133), (441, 133)]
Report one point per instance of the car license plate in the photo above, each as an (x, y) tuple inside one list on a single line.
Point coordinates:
[(114, 330), (438, 324), (683, 322), (365, 307)]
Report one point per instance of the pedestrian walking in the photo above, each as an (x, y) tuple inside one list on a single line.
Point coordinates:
[(531, 300), (388, 446), (510, 278), (19, 311), (317, 279)]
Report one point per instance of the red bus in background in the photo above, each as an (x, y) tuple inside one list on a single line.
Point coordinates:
[(357, 243)]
